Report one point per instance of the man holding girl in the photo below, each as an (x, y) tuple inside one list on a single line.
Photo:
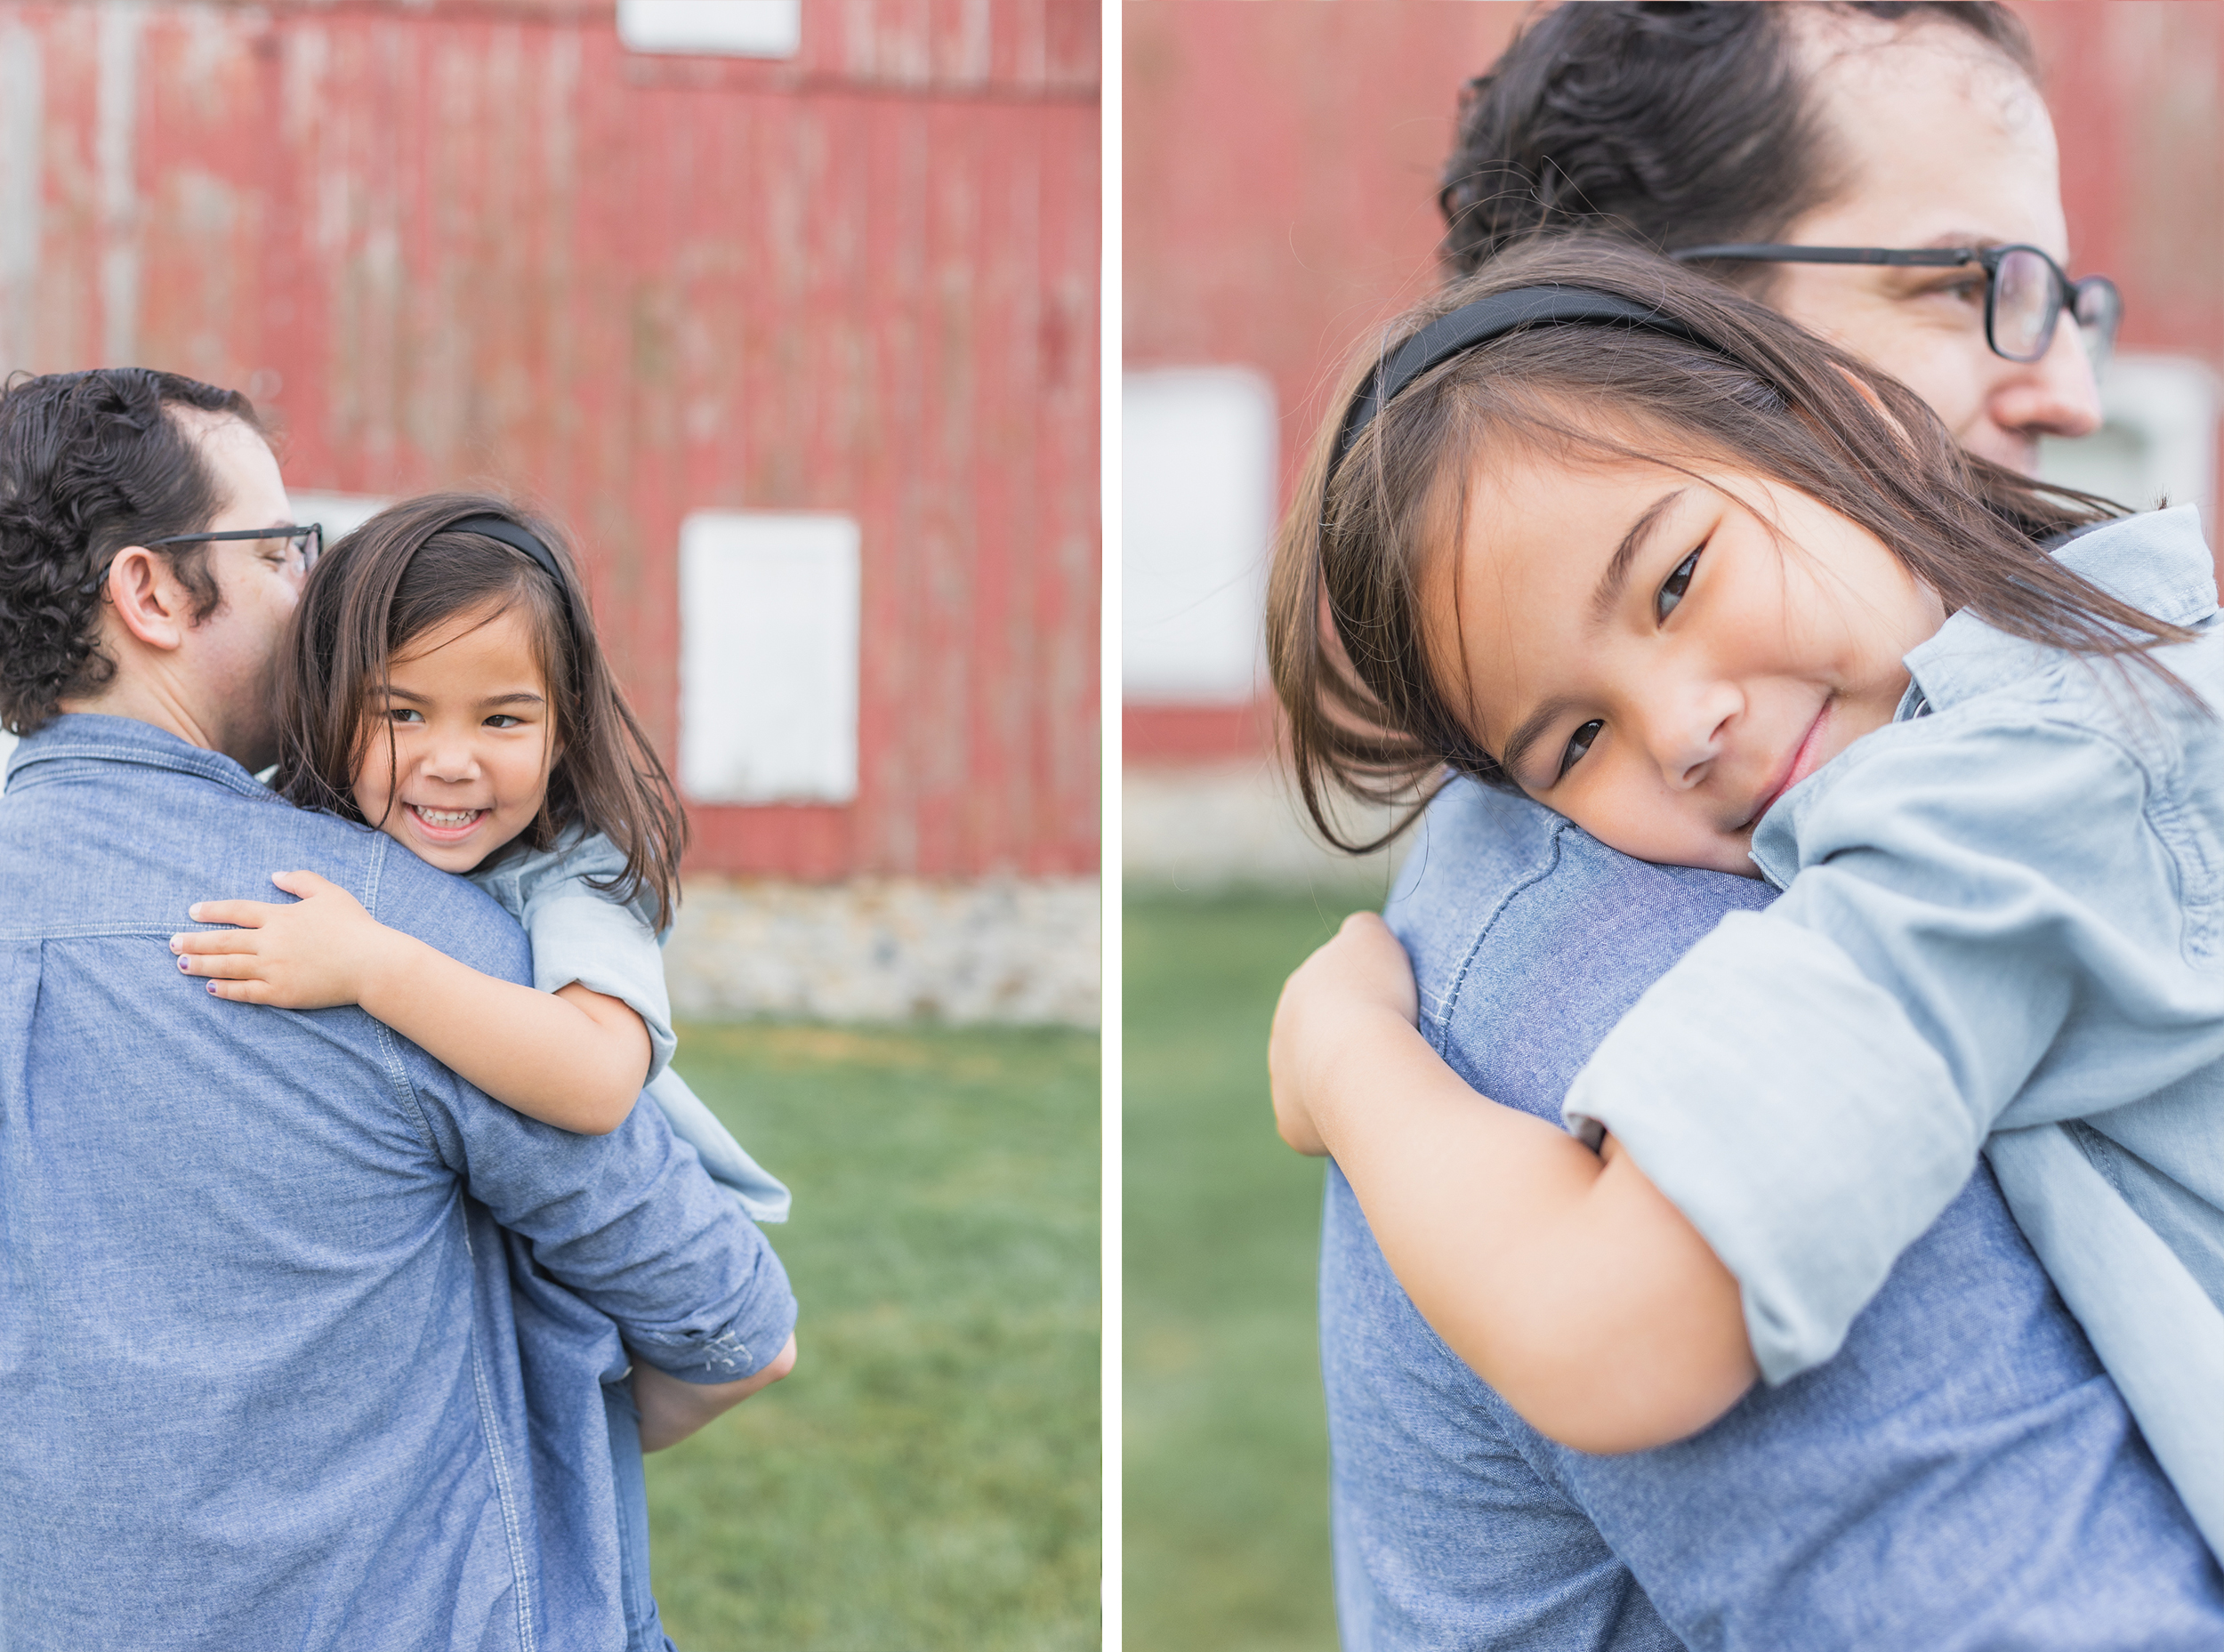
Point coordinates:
[(303, 1338), (1962, 1473)]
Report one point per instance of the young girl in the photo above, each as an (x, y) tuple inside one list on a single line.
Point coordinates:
[(1600, 532), (444, 685)]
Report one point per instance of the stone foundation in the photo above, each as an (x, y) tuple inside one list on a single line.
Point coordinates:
[(1015, 952), (1201, 828)]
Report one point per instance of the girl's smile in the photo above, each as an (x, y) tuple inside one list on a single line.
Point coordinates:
[(1660, 654), (457, 761)]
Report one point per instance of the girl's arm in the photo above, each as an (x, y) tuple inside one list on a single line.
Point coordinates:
[(671, 1410), (575, 1058), (1561, 1278)]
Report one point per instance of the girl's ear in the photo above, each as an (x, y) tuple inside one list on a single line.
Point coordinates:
[(1867, 392)]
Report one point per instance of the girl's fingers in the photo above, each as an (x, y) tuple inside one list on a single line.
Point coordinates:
[(214, 943), (230, 967), (246, 915), (301, 884), (238, 992)]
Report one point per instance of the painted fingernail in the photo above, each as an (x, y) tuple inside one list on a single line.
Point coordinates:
[(211, 989), (185, 966), (177, 943)]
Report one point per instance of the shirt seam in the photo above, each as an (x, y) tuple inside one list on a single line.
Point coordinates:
[(1550, 864)]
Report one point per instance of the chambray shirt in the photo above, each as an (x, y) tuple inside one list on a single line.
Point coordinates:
[(277, 1290), (581, 933), (2002, 918), (1962, 1475)]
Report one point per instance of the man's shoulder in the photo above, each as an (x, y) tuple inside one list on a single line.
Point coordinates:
[(1527, 933), (450, 913), (1492, 865)]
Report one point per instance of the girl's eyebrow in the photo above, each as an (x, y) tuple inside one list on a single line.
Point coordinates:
[(1610, 582), (1532, 729), (518, 698)]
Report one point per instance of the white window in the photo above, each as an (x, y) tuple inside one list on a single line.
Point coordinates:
[(1196, 505), (768, 613), (717, 28), (339, 514), (2157, 438)]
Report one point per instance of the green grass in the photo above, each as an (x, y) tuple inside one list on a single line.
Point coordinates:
[(1226, 1485), (928, 1478)]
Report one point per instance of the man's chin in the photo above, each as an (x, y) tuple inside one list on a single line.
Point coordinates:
[(2019, 454)]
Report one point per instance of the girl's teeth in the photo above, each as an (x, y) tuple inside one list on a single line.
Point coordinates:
[(446, 816)]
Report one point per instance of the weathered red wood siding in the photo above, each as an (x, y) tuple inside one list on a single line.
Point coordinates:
[(448, 241), (1281, 163)]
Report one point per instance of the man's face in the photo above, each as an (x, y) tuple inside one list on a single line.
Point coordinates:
[(1943, 144), (235, 651)]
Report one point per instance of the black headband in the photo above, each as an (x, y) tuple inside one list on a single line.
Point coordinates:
[(518, 539), (1487, 319)]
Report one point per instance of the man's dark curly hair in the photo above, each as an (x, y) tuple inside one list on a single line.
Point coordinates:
[(1671, 125), (91, 462)]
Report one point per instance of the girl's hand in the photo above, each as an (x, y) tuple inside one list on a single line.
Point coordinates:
[(1333, 1011), (310, 953)]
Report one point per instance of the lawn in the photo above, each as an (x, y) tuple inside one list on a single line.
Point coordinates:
[(1226, 1533), (928, 1478)]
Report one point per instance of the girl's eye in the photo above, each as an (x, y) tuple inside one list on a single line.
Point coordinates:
[(1672, 588), (1577, 745), (503, 720), (406, 714)]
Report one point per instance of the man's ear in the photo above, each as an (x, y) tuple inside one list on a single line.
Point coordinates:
[(149, 602)]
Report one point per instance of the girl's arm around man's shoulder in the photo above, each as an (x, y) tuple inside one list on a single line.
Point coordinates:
[(576, 1059), (1560, 1276)]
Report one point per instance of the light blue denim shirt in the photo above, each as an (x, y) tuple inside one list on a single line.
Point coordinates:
[(279, 1292), (1962, 1475), (580, 932), (2003, 919)]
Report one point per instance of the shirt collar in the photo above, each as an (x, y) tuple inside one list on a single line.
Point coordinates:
[(88, 737), (2156, 562)]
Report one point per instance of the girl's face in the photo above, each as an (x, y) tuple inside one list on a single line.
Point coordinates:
[(1659, 655), (470, 747)]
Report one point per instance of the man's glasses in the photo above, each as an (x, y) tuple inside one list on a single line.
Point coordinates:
[(2025, 291), (304, 544)]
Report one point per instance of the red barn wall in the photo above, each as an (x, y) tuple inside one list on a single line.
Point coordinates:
[(1280, 173), (453, 241)]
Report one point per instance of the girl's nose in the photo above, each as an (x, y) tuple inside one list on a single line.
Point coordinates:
[(1687, 727), (452, 760)]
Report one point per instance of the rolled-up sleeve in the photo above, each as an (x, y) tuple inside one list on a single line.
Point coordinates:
[(626, 1222), (1982, 928)]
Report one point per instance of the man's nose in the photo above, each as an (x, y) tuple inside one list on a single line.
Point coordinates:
[(2054, 396)]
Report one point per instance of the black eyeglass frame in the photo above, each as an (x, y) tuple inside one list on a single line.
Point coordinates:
[(2063, 294), (311, 533)]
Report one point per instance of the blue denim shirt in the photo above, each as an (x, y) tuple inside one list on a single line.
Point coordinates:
[(279, 1292), (2000, 916), (1962, 1475)]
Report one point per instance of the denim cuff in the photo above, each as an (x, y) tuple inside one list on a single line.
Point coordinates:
[(743, 1346)]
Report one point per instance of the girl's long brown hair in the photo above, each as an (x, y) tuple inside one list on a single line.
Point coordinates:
[(1367, 715), (402, 575)]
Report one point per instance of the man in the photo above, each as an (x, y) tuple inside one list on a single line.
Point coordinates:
[(279, 1288), (1963, 1473)]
